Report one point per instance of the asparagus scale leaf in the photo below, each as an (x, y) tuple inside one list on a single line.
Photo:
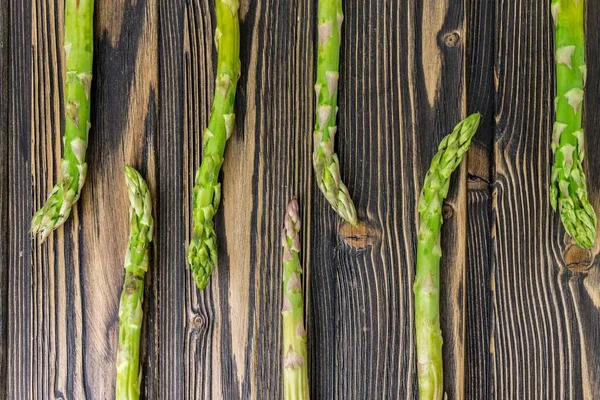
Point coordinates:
[(429, 252), (568, 191), (202, 251), (325, 160), (78, 46), (295, 374), (141, 225)]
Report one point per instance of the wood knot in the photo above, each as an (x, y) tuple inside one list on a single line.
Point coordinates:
[(197, 322), (447, 211), (360, 236), (452, 39), (578, 259)]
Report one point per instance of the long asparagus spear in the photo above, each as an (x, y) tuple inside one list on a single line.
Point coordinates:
[(568, 191), (202, 251), (78, 45), (325, 160), (295, 376), (427, 280), (141, 226)]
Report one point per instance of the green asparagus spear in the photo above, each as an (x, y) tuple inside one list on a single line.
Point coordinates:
[(202, 251), (427, 280), (325, 160), (141, 226), (78, 45), (295, 375), (568, 191)]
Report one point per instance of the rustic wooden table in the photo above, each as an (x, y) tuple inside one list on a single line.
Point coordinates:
[(521, 306)]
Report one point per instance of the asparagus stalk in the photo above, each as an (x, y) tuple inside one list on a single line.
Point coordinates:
[(141, 226), (568, 191), (78, 45), (202, 251), (325, 160), (429, 252), (295, 376)]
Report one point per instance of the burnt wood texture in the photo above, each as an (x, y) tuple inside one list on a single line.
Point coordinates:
[(520, 303)]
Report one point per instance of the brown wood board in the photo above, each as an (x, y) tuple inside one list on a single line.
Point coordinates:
[(520, 305)]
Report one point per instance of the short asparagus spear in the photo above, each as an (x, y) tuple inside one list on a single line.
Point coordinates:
[(78, 46), (202, 251), (568, 191), (325, 160), (295, 374), (141, 226), (429, 252)]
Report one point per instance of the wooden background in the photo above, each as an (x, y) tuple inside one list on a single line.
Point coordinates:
[(521, 306)]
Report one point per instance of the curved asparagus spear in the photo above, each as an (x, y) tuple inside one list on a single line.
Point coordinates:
[(141, 226), (325, 160), (78, 45), (427, 280), (295, 375), (568, 191), (202, 251)]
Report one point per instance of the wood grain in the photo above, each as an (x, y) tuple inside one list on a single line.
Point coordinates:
[(19, 333), (545, 314), (227, 350), (77, 276), (4, 174), (478, 309), (480, 98), (126, 56), (172, 286), (520, 304), (392, 109), (584, 288)]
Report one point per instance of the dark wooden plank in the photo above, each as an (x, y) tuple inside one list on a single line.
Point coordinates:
[(126, 129), (545, 299), (402, 90), (77, 275), (584, 284), (229, 350), (172, 274), (226, 337), (440, 114), (57, 340), (230, 332), (478, 311), (480, 98), (20, 290), (4, 174)]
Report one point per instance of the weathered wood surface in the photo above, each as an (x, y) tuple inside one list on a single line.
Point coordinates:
[(520, 306), (545, 297), (4, 103), (480, 97)]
